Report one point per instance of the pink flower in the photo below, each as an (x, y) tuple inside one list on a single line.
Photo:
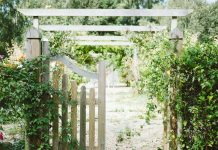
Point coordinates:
[(1, 136)]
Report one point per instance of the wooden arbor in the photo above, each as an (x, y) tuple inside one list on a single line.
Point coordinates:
[(35, 47), (35, 13)]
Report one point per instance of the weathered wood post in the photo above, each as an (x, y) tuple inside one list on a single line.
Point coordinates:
[(135, 64), (33, 50), (74, 110), (36, 22), (33, 44), (92, 119), (45, 79), (64, 112), (101, 105), (83, 118), (177, 39), (55, 128), (166, 125), (175, 119)]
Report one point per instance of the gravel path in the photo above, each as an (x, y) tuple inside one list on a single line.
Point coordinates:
[(126, 128)]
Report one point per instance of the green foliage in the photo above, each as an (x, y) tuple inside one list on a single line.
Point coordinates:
[(19, 145), (12, 26), (204, 22), (195, 75), (198, 70), (22, 96), (89, 56), (127, 134), (155, 59)]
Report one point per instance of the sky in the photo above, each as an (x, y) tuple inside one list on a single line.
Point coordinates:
[(211, 1)]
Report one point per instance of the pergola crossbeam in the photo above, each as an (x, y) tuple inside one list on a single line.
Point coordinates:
[(105, 12), (100, 28), (97, 43), (99, 38)]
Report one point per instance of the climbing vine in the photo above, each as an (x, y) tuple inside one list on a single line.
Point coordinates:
[(196, 74), (22, 97), (198, 91)]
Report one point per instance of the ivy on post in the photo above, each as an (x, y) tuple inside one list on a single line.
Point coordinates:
[(37, 122), (33, 50), (175, 120), (46, 96), (64, 112), (55, 122)]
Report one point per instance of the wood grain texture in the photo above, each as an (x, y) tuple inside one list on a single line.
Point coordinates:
[(82, 142), (92, 119), (74, 68), (105, 43), (99, 38), (55, 128), (101, 105), (33, 44), (74, 109), (100, 28), (105, 12), (64, 112)]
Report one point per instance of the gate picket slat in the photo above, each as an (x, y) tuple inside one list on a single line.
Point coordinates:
[(92, 119), (64, 112), (83, 118), (74, 109), (55, 129), (101, 105), (83, 103)]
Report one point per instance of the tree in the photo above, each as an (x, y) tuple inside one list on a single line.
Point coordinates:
[(12, 25), (204, 22)]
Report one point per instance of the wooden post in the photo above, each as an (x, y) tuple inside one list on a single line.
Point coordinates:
[(46, 96), (33, 44), (45, 47), (33, 50), (64, 112), (166, 126), (177, 38), (36, 22), (135, 64), (174, 23), (74, 110), (83, 118), (92, 119), (101, 105), (55, 129), (167, 107)]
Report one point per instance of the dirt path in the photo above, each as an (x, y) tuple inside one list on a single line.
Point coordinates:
[(126, 128)]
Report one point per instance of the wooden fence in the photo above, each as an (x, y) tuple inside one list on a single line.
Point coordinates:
[(75, 100), (79, 101)]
